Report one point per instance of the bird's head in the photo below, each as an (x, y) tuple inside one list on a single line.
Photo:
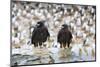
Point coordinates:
[(65, 26), (40, 23)]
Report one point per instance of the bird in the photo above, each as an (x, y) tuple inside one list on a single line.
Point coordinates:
[(40, 34), (64, 36)]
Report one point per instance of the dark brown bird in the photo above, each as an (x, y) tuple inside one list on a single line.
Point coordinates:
[(64, 36), (39, 34)]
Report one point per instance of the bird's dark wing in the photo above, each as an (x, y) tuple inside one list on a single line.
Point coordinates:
[(34, 32), (70, 34), (59, 37), (59, 34), (33, 35), (46, 31)]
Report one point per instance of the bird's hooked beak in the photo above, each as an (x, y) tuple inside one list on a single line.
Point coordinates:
[(37, 25), (64, 26), (61, 27)]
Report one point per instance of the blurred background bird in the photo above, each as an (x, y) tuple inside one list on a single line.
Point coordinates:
[(64, 36), (39, 34)]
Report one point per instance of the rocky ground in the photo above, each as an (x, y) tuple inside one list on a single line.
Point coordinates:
[(27, 56)]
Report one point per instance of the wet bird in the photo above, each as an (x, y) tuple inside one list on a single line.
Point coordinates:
[(64, 36), (40, 34)]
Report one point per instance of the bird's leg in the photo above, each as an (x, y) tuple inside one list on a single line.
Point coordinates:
[(61, 45), (64, 45), (35, 44), (40, 44), (68, 45)]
